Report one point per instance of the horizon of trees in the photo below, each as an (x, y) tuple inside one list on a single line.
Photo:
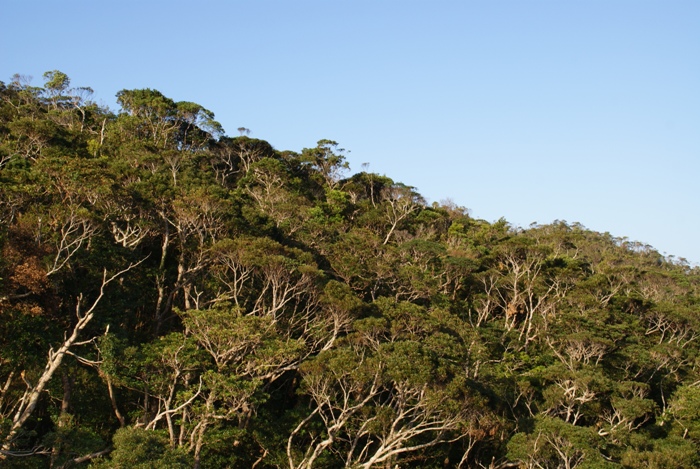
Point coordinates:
[(171, 296)]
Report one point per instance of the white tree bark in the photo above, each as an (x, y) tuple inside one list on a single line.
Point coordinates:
[(29, 400)]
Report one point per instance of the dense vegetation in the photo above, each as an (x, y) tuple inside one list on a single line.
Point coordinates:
[(173, 297)]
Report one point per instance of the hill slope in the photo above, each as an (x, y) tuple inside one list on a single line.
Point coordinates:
[(173, 297)]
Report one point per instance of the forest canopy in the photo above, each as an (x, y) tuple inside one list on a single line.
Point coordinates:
[(171, 296)]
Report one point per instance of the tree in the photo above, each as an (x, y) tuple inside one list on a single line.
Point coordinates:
[(275, 312), (56, 84), (553, 443), (327, 160), (400, 202), (141, 449), (28, 402)]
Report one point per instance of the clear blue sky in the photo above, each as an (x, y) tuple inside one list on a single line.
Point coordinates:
[(532, 110)]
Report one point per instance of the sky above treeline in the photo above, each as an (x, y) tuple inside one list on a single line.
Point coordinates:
[(531, 110)]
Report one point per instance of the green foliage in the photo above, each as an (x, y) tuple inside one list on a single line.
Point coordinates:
[(683, 413), (274, 311), (553, 443), (142, 449)]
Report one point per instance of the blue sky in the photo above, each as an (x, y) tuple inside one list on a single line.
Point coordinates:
[(531, 110)]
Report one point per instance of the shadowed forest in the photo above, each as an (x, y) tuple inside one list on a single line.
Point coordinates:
[(172, 297)]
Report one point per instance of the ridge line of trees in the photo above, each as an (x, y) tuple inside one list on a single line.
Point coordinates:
[(174, 297)]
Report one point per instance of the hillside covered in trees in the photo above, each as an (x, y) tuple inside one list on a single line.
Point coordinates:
[(174, 297)]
